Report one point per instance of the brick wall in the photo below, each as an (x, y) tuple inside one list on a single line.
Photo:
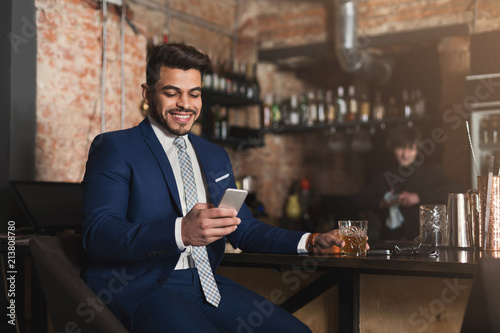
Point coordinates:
[(68, 84)]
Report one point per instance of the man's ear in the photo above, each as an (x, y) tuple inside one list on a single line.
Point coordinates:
[(145, 93)]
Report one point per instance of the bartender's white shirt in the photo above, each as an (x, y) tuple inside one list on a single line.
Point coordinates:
[(167, 142)]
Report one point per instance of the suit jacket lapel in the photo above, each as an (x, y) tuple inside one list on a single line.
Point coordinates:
[(162, 159), (208, 165)]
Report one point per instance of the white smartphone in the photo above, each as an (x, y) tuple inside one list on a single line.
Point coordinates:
[(233, 198)]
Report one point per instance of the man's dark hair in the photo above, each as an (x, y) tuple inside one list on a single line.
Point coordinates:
[(402, 137), (176, 56)]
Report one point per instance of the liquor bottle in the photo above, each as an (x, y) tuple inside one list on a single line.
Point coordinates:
[(217, 120), (494, 129), (484, 130), (294, 112), (419, 103), (255, 83), (222, 76), (312, 108), (249, 93), (215, 74), (353, 104), (276, 111), (243, 81), (321, 107), (392, 108), (330, 107), (341, 106), (304, 110), (228, 75), (378, 107), (235, 78), (268, 102), (365, 108), (224, 128), (207, 77), (408, 108)]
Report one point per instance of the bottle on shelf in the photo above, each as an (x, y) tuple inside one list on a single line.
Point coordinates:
[(484, 131), (341, 105), (494, 129), (378, 107), (249, 79), (304, 110), (224, 127), (255, 83), (419, 103), (321, 107), (217, 121), (243, 80), (276, 111), (222, 76), (392, 108), (294, 111), (228, 76), (268, 103), (215, 74), (330, 108), (293, 210), (365, 108), (207, 77), (407, 106), (353, 105), (234, 78), (312, 107)]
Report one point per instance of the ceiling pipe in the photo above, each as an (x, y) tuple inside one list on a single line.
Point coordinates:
[(353, 59)]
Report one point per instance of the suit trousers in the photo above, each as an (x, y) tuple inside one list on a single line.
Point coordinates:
[(180, 306)]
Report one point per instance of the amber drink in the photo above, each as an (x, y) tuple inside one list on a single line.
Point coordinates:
[(354, 234)]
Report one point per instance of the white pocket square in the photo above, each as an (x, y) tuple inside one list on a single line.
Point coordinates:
[(222, 177)]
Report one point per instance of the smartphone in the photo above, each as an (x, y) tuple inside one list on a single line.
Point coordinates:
[(233, 198)]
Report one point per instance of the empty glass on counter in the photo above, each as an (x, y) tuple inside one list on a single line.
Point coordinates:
[(433, 225)]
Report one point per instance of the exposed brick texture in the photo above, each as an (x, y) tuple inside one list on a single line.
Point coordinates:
[(68, 84)]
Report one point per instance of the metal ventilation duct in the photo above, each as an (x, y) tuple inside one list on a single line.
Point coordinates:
[(352, 58)]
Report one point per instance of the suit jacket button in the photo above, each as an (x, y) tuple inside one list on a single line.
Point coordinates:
[(149, 254), (161, 280)]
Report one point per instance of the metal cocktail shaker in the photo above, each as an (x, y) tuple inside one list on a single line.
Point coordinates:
[(461, 229)]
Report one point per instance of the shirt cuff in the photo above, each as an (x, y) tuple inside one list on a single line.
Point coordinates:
[(301, 248), (178, 234)]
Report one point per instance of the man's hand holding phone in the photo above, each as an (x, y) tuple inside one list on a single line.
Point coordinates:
[(204, 224)]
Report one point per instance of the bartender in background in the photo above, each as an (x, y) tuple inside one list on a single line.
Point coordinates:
[(396, 194)]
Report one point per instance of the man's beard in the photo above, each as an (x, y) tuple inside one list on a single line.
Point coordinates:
[(181, 130)]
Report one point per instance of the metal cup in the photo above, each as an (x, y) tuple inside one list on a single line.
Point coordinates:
[(461, 233)]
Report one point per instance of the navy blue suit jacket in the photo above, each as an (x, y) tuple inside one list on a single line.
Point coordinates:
[(131, 203)]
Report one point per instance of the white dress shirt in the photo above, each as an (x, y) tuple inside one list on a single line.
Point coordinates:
[(167, 142)]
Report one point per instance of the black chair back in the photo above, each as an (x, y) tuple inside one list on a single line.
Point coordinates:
[(58, 262)]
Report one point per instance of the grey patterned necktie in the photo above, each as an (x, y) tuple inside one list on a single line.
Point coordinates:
[(200, 255)]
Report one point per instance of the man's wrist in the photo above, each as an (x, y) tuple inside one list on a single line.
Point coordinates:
[(310, 242)]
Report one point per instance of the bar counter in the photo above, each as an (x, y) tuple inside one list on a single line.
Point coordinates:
[(393, 287)]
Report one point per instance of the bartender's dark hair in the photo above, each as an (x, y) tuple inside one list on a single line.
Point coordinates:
[(402, 137), (177, 56)]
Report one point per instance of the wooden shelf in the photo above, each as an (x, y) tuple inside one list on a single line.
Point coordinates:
[(286, 129)]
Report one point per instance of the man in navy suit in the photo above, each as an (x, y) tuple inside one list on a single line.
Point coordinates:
[(143, 239)]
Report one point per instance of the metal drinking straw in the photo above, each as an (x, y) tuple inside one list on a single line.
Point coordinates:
[(488, 200), (472, 148)]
